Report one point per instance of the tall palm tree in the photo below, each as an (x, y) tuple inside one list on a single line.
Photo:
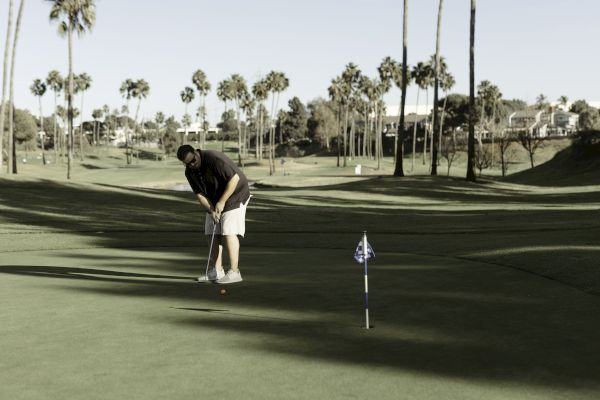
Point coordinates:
[(471, 141), (434, 150), (418, 74), (260, 91), (225, 94), (239, 90), (248, 106), (350, 77), (427, 80), (96, 115), (277, 83), (398, 170), (11, 102), (187, 96), (82, 83), (106, 111), (141, 90), (127, 89), (4, 80), (381, 88), (483, 93), (494, 97), (73, 16), (336, 95), (38, 89), (366, 87), (159, 118), (202, 84), (55, 82), (446, 83)]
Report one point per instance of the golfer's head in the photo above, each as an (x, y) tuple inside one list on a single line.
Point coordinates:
[(188, 156)]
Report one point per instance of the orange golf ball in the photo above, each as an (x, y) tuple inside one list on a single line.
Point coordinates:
[(222, 291)]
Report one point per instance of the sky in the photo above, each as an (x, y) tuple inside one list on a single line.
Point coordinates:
[(525, 47)]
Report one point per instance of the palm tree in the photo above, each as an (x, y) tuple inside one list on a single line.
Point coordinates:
[(350, 77), (483, 92), (471, 141), (336, 95), (96, 115), (106, 111), (38, 88), (427, 81), (55, 82), (11, 102), (277, 82), (224, 93), (82, 83), (203, 86), (187, 95), (159, 118), (446, 83), (248, 105), (541, 102), (127, 89), (435, 90), (79, 16), (4, 80), (398, 170), (141, 89), (260, 91), (563, 100), (239, 91), (418, 74)]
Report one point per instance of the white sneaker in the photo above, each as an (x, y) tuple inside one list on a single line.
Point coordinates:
[(231, 277), (212, 276)]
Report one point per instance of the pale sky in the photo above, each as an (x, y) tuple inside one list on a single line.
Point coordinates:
[(526, 47)]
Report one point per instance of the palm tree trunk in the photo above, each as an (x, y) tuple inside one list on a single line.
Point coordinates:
[(414, 143), (471, 143), (70, 103), (426, 134), (42, 130), (11, 132), (54, 130), (345, 137), (81, 129), (3, 104), (442, 123), (436, 81)]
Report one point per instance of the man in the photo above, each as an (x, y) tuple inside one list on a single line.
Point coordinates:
[(222, 189)]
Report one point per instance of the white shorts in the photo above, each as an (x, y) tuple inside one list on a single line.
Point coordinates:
[(233, 222)]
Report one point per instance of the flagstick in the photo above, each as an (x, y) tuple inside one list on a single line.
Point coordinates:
[(365, 252)]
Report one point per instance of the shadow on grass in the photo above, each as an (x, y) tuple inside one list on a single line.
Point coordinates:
[(432, 318)]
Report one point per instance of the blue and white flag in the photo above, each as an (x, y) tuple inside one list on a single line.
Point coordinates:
[(359, 254)]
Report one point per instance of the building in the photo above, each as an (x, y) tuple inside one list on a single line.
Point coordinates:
[(563, 123), (531, 121)]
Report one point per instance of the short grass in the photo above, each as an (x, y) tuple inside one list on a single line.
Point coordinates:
[(486, 290)]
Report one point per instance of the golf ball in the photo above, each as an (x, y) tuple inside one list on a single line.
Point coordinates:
[(222, 291)]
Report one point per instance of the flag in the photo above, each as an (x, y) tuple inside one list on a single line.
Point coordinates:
[(359, 254)]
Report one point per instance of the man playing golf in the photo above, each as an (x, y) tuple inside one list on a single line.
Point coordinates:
[(223, 191)]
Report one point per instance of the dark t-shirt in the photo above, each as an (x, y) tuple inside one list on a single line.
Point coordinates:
[(216, 169)]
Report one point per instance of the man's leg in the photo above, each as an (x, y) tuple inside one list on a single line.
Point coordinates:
[(233, 250), (216, 253)]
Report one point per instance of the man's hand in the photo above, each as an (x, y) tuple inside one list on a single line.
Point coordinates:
[(219, 208), (216, 216)]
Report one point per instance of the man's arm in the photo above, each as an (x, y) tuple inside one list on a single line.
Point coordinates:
[(205, 202), (229, 189)]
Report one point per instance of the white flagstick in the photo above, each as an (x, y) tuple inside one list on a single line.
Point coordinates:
[(365, 254)]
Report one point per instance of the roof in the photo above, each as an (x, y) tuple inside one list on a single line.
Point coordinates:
[(530, 113)]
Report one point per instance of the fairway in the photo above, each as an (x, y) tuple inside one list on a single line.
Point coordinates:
[(485, 290)]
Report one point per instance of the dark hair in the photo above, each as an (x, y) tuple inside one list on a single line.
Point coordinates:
[(182, 151)]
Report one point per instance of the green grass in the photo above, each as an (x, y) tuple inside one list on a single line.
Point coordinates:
[(485, 290)]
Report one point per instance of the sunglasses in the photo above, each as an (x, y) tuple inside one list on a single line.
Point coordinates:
[(191, 162)]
